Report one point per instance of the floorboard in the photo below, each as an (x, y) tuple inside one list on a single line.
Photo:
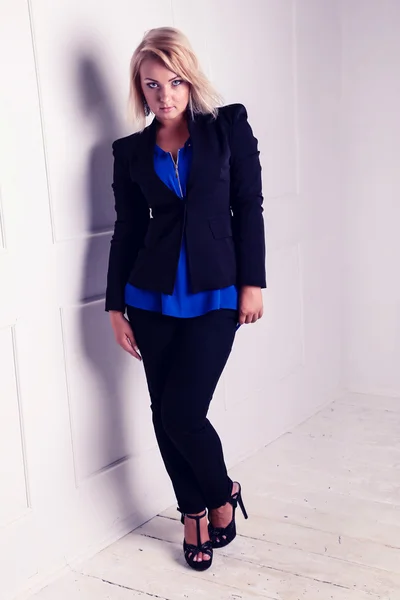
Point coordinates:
[(324, 506)]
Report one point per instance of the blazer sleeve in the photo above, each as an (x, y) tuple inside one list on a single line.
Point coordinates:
[(129, 230), (247, 202)]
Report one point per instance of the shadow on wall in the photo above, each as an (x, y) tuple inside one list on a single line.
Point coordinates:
[(106, 436)]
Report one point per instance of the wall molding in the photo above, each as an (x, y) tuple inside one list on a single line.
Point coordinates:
[(3, 240), (296, 96), (20, 415), (41, 116)]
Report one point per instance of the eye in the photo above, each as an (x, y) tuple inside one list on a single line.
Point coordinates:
[(177, 82), (152, 85)]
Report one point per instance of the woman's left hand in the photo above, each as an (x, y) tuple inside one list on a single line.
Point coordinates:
[(250, 304)]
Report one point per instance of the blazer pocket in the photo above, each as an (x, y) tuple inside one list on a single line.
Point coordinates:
[(225, 172), (221, 227)]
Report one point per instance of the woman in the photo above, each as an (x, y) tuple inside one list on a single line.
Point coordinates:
[(187, 264)]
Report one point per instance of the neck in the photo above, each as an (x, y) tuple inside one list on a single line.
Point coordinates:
[(175, 124)]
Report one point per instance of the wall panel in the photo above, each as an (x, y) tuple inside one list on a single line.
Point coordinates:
[(85, 441), (108, 401), (14, 495), (83, 54)]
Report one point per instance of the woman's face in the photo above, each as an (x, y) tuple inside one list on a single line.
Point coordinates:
[(166, 93)]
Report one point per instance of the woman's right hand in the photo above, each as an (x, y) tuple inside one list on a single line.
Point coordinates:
[(123, 333)]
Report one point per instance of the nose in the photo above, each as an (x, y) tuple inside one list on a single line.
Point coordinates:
[(164, 96)]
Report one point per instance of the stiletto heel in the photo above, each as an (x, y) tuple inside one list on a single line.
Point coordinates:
[(222, 536), (191, 550), (240, 500)]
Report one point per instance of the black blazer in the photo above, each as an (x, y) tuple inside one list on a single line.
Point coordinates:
[(220, 217)]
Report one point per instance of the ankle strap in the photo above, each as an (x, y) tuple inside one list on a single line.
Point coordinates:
[(195, 517)]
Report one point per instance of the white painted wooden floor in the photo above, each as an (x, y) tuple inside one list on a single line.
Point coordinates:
[(324, 505)]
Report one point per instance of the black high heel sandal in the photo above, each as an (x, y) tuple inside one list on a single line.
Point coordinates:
[(222, 536), (191, 551)]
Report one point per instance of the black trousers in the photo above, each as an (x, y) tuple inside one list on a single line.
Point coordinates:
[(183, 361)]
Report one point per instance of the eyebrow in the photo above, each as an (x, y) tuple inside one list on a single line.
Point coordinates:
[(155, 80)]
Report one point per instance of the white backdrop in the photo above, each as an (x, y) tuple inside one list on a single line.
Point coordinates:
[(371, 158), (78, 458)]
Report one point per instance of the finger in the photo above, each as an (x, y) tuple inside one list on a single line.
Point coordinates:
[(126, 346), (134, 346), (134, 353), (242, 318), (259, 315), (132, 342), (130, 347), (249, 319)]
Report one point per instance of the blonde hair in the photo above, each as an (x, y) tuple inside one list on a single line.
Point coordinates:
[(173, 49)]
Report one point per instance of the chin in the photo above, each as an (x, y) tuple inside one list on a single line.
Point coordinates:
[(171, 115)]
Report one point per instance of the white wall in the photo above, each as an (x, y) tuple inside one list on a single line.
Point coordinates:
[(78, 458), (371, 160)]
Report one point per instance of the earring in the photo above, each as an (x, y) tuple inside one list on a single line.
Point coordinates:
[(146, 108)]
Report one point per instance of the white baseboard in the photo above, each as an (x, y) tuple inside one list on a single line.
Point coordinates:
[(380, 391), (43, 579), (131, 522)]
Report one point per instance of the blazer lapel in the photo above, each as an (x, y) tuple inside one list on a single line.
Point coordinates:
[(198, 149), (205, 165), (143, 167), (144, 151), (207, 152)]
